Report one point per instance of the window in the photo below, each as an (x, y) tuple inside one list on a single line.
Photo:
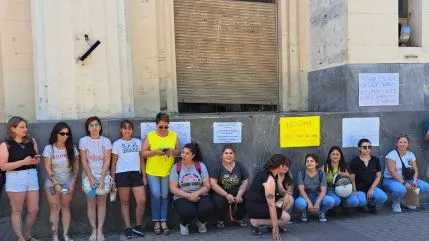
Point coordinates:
[(410, 23), (404, 9)]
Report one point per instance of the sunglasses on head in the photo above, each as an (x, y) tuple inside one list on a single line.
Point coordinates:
[(366, 147), (163, 127), (63, 133)]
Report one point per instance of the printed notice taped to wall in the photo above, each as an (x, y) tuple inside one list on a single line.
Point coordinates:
[(300, 131), (183, 130), (378, 89), (355, 129), (227, 132)]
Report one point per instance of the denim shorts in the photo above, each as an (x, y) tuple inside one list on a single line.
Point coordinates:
[(22, 181)]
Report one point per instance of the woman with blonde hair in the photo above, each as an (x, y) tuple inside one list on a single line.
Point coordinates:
[(18, 157)]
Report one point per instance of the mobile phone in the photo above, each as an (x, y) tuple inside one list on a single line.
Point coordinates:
[(37, 156), (165, 150)]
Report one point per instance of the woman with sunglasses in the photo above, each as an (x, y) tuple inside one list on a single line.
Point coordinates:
[(18, 157), (128, 171), (160, 147), (229, 181), (61, 161), (394, 180), (95, 151), (336, 165), (365, 173)]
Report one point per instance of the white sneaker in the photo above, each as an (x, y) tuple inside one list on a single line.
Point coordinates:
[(184, 229), (396, 207), (201, 227), (304, 216), (322, 217), (411, 207)]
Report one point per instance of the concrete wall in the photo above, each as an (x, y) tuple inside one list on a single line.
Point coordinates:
[(260, 140), (328, 33), (337, 88)]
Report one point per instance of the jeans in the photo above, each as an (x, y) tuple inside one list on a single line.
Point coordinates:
[(327, 203), (158, 197), (398, 190), (191, 211), (354, 200)]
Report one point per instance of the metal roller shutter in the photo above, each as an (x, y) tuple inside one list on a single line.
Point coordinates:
[(226, 52)]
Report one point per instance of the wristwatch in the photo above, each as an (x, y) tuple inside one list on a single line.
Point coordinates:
[(404, 182)]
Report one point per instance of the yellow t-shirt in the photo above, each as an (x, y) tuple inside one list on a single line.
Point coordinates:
[(160, 165), (330, 175)]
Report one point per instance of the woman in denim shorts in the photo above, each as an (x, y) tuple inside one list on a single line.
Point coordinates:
[(18, 157), (61, 161)]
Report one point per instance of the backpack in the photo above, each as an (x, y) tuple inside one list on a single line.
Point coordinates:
[(319, 172), (179, 167)]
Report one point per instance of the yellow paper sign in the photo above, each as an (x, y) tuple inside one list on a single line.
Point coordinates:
[(300, 131)]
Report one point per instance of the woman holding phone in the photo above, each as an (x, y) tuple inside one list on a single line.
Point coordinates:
[(160, 147), (18, 157)]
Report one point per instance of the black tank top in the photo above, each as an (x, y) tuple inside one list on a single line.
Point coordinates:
[(256, 192), (19, 151)]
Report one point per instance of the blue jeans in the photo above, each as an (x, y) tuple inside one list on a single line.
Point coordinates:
[(158, 197), (327, 203), (354, 200), (398, 190)]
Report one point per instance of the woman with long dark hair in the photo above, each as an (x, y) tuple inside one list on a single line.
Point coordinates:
[(189, 182), (261, 198), (61, 161), (18, 157), (336, 165)]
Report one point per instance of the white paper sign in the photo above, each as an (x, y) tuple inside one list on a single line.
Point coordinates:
[(183, 130), (227, 132), (378, 89), (355, 129)]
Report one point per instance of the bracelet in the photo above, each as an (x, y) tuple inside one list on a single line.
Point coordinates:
[(404, 183)]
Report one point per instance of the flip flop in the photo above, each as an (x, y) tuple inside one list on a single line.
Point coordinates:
[(93, 237)]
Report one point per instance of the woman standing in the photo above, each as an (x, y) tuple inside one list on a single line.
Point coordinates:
[(260, 199), (312, 186), (394, 180), (160, 147), (128, 173), (95, 153), (229, 181), (18, 158), (336, 165), (189, 182), (61, 161)]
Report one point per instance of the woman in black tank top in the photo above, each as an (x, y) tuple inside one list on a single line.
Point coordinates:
[(18, 157)]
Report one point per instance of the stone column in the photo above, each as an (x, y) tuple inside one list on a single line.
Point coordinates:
[(101, 84)]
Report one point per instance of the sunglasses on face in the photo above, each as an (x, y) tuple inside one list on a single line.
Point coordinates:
[(163, 127), (63, 133), (94, 126), (366, 147)]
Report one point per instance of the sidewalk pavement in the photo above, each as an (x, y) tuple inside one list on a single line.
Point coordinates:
[(409, 226)]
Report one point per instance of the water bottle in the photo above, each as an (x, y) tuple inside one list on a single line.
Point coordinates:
[(113, 194)]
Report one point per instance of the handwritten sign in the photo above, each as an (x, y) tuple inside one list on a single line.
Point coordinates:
[(183, 130), (227, 132), (378, 89), (300, 131), (355, 129)]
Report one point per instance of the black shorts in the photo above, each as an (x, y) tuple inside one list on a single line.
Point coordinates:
[(129, 179), (261, 211)]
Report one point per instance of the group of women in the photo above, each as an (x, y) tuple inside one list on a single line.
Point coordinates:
[(222, 190)]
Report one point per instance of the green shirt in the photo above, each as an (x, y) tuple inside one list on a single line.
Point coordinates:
[(330, 175)]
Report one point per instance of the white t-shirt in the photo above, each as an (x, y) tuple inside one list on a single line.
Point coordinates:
[(407, 160), (128, 154), (61, 166), (95, 151)]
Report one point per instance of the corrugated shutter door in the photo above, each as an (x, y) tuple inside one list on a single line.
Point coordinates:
[(226, 52)]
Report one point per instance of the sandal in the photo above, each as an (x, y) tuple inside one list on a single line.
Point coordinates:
[(55, 236), (157, 228), (67, 237), (255, 230), (93, 237), (165, 229), (220, 224), (32, 239), (241, 222)]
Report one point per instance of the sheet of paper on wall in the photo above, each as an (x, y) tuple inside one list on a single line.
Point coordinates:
[(355, 129), (183, 130), (227, 132), (378, 89), (300, 131)]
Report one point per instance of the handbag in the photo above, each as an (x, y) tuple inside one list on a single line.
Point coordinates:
[(407, 172), (86, 186)]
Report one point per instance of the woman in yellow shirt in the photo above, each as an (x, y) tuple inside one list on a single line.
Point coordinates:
[(159, 148)]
